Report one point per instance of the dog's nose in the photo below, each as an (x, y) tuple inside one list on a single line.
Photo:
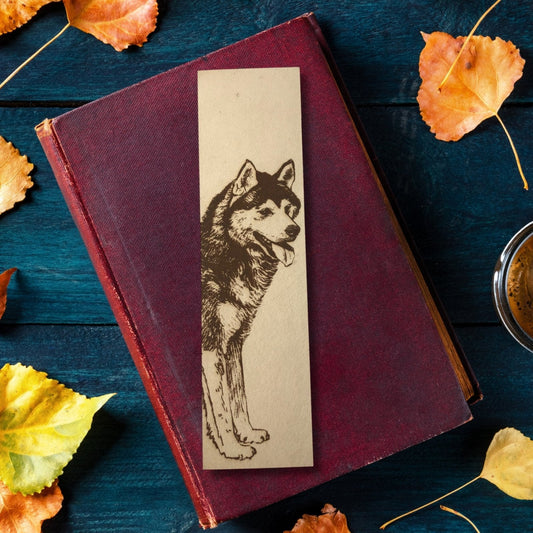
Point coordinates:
[(292, 231)]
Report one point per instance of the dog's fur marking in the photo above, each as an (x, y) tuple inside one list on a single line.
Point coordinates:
[(246, 231)]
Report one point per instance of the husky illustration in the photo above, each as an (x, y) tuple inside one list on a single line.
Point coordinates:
[(246, 231)]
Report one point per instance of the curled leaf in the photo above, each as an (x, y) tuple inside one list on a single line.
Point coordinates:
[(25, 514), (481, 80), (119, 23), (14, 175), (5, 277), (331, 521), (480, 74), (15, 13), (509, 463), (42, 423)]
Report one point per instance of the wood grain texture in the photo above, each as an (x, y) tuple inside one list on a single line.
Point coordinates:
[(376, 44), (123, 477), (461, 202)]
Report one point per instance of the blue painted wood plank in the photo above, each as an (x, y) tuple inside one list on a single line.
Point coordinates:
[(123, 478), (461, 202), (55, 281), (376, 44)]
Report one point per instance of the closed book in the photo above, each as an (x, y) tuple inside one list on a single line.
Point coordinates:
[(385, 370)]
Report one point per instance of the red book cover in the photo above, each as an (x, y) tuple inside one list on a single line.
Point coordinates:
[(386, 372)]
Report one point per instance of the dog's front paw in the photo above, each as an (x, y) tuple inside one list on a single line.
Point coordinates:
[(238, 451), (254, 436)]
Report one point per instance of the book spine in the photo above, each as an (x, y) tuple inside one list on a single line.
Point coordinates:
[(463, 370), (67, 183)]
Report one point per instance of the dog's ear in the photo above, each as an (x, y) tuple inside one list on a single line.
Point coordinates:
[(246, 179), (286, 174)]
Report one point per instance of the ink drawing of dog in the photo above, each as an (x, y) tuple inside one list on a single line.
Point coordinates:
[(246, 233)]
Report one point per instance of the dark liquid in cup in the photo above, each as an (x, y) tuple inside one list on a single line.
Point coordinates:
[(520, 287)]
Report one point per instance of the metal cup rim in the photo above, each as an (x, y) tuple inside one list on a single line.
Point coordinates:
[(499, 286)]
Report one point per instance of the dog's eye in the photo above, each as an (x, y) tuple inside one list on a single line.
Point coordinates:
[(290, 210), (265, 212)]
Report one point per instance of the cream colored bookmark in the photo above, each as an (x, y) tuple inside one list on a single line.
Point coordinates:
[(255, 342)]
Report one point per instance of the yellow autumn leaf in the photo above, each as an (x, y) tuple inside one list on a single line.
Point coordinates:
[(509, 463), (15, 13), (14, 175), (42, 423)]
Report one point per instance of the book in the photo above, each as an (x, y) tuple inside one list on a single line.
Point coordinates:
[(386, 371)]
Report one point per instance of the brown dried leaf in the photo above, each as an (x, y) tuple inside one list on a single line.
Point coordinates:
[(331, 521), (25, 514), (119, 23), (15, 13), (481, 80), (4, 282), (14, 175)]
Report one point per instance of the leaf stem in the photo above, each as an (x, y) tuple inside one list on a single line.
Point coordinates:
[(33, 56), (514, 151), (430, 503), (461, 516), (466, 42)]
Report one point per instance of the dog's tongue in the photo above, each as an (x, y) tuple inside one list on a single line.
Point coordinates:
[(285, 255)]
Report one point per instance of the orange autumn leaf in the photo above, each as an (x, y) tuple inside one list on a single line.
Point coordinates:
[(119, 23), (15, 13), (4, 282), (14, 175), (331, 521), (476, 87), (25, 514)]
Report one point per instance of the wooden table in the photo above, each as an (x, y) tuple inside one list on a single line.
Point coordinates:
[(461, 201)]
